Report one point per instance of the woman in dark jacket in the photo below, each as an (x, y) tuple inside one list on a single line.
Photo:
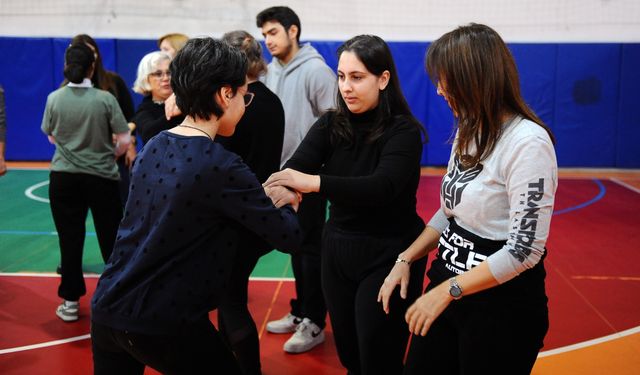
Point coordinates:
[(172, 260)]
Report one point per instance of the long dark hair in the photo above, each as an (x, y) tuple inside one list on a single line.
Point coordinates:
[(77, 62), (101, 78), (375, 55), (480, 79)]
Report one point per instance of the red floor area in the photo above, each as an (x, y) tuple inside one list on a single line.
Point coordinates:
[(593, 287)]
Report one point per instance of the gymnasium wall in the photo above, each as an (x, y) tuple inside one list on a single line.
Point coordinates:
[(579, 60)]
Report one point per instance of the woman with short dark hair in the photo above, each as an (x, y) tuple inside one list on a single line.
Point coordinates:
[(172, 259), (485, 308)]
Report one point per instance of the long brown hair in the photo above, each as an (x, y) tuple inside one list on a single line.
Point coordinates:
[(479, 76), (246, 43)]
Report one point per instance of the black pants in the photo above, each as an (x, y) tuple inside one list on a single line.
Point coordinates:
[(354, 267), (71, 195), (306, 263), (235, 322), (196, 350), (496, 331), (480, 336)]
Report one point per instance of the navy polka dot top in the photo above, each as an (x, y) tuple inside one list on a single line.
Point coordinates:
[(176, 242)]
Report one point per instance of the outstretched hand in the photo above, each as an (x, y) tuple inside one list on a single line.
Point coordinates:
[(302, 182), (399, 275)]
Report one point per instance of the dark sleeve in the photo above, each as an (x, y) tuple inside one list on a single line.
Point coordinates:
[(244, 200), (399, 162), (123, 96), (314, 148), (151, 121)]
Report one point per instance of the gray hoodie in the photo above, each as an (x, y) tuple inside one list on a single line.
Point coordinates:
[(307, 88)]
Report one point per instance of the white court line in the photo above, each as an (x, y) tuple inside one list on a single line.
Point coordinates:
[(547, 353), (44, 344), (29, 192), (584, 344), (632, 188)]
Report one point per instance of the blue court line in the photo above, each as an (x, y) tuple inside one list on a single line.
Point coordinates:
[(26, 233), (600, 195)]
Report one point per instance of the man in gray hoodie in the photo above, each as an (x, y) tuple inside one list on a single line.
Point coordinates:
[(307, 88)]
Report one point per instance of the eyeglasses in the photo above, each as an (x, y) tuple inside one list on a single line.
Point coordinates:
[(248, 98), (159, 74)]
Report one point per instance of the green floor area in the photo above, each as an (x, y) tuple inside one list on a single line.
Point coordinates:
[(28, 241)]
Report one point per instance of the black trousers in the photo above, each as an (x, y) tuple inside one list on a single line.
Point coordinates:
[(198, 349), (497, 331), (306, 263), (354, 267), (235, 322), (481, 336), (71, 195)]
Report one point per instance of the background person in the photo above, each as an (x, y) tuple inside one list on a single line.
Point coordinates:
[(485, 308), (365, 158), (113, 83), (306, 86), (154, 82), (176, 243), (80, 121), (258, 141), (172, 43)]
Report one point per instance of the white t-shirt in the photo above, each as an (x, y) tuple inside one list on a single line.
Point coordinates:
[(508, 196)]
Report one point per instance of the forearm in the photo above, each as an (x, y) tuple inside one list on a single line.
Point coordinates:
[(475, 280), (426, 241)]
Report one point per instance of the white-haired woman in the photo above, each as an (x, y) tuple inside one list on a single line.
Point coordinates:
[(154, 82)]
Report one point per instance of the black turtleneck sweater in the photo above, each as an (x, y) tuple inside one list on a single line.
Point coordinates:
[(371, 185), (151, 120)]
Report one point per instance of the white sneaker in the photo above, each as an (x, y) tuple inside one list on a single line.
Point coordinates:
[(68, 311), (286, 324), (307, 336)]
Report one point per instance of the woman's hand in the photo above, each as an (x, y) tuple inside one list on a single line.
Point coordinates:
[(281, 196), (302, 182), (170, 107), (399, 275), (426, 309), (130, 155)]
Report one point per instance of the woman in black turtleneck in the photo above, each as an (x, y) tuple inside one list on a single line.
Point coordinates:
[(154, 82), (365, 158)]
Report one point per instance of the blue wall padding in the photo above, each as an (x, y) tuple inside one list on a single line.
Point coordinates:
[(628, 126), (537, 67), (26, 73), (587, 93)]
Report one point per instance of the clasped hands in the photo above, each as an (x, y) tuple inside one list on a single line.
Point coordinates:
[(288, 185)]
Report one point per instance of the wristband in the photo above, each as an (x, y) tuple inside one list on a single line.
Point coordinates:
[(400, 260)]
